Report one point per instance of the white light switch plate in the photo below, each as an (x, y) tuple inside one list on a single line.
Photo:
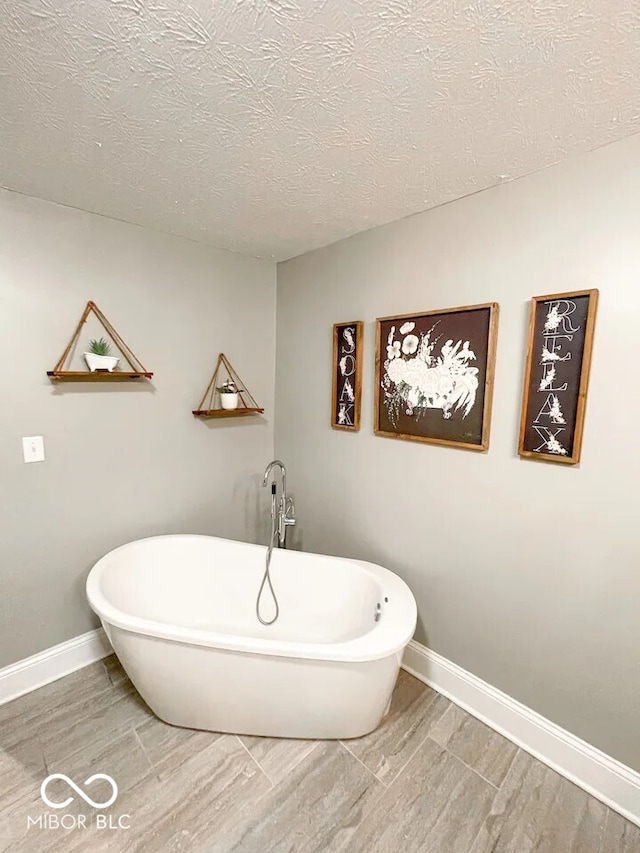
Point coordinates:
[(33, 448)]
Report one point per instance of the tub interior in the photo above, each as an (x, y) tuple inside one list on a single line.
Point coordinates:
[(211, 584)]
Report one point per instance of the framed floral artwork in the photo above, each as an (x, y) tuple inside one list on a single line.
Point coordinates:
[(561, 328), (434, 375), (347, 376)]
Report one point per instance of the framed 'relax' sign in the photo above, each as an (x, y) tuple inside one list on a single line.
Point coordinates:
[(561, 328), (347, 376)]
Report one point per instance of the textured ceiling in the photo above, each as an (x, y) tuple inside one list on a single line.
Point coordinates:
[(275, 126)]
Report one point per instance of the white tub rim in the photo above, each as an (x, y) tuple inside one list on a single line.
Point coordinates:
[(387, 637)]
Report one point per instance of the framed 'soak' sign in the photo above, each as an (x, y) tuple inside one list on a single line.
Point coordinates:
[(347, 376), (561, 330)]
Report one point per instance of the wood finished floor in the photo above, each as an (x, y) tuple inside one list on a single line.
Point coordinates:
[(431, 778)]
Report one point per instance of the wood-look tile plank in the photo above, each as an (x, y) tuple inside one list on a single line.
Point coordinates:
[(44, 726), (475, 744), (169, 747), (436, 805), (22, 770), (277, 756), (415, 708), (102, 716), (316, 809), (121, 757), (21, 719), (538, 810), (15, 834), (620, 835), (25, 760), (114, 670), (186, 810)]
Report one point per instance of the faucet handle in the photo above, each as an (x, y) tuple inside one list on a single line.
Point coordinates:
[(289, 515)]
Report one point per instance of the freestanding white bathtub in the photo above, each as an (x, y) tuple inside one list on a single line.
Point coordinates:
[(180, 614)]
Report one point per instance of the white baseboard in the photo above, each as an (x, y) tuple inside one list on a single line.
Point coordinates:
[(597, 773), (47, 666)]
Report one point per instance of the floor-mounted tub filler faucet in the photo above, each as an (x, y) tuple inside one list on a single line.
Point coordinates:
[(282, 517), (282, 511)]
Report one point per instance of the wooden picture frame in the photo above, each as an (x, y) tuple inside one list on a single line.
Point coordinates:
[(347, 375), (556, 379), (440, 389)]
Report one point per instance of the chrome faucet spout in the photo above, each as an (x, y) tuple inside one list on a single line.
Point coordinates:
[(283, 472)]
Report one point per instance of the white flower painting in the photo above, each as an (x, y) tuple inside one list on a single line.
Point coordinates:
[(410, 345), (424, 372), (435, 374), (393, 350)]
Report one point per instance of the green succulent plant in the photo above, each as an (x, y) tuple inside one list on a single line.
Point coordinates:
[(100, 347), (228, 387)]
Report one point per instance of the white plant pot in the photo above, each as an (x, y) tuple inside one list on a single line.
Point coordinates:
[(229, 401), (100, 362)]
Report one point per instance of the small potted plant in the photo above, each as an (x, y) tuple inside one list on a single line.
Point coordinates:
[(98, 357), (229, 396)]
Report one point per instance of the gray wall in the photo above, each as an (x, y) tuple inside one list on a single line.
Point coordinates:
[(526, 574), (123, 461)]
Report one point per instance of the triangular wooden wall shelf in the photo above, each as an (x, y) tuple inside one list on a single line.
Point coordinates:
[(206, 409), (137, 371)]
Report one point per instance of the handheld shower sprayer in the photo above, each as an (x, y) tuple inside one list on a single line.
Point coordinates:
[(282, 516)]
